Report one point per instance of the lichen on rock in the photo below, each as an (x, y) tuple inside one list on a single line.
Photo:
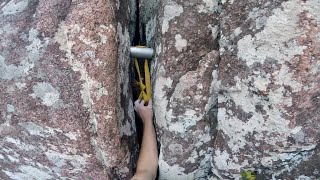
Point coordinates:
[(235, 88), (58, 68)]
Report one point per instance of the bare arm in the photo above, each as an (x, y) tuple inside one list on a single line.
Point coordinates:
[(148, 157)]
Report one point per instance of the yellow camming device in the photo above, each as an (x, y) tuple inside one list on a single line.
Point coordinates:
[(145, 89)]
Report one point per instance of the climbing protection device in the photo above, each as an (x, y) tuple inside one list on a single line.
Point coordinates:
[(145, 89)]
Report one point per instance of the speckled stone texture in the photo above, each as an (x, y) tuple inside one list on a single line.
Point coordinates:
[(266, 83), (236, 87), (65, 105), (184, 34), (269, 96)]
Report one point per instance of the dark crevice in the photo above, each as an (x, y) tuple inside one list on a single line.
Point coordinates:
[(138, 39), (213, 111), (135, 91)]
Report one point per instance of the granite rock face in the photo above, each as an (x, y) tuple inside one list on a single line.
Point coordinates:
[(266, 83), (269, 95), (65, 109), (236, 87), (184, 34)]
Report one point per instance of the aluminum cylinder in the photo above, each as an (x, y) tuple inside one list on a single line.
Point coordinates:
[(141, 52)]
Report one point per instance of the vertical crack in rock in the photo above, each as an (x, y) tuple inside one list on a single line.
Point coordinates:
[(136, 40), (66, 96), (184, 71)]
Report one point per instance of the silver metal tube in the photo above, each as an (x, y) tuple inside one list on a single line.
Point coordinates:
[(141, 52)]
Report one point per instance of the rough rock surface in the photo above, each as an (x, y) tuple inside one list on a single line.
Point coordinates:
[(236, 87), (184, 72), (267, 86), (269, 96), (65, 107)]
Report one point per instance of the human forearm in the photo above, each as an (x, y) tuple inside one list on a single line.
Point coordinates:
[(148, 158)]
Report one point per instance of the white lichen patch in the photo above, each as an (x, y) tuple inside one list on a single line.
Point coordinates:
[(176, 172), (123, 56), (316, 68), (227, 1), (72, 135), (126, 129), (63, 159), (127, 125), (180, 43), (190, 116), (103, 38), (29, 172), (21, 85), (88, 41), (208, 6), (185, 121), (304, 177), (261, 83), (8, 72), (258, 15), (193, 157), (7, 30), (171, 10), (101, 155), (277, 39), (13, 159), (33, 52), (171, 172), (313, 7), (222, 161), (47, 93), (90, 87), (160, 102), (289, 159), (37, 130), (284, 77), (34, 49), (176, 149), (10, 108), (237, 31), (261, 102), (14, 7), (21, 145), (237, 129), (151, 29)]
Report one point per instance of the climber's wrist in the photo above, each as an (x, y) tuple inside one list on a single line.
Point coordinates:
[(147, 122)]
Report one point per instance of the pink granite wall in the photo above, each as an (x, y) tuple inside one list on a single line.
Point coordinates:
[(65, 110)]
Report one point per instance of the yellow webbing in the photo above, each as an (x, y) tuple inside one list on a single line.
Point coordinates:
[(145, 89)]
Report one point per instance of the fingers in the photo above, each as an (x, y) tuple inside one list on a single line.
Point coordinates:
[(136, 103), (150, 103), (142, 103), (139, 102)]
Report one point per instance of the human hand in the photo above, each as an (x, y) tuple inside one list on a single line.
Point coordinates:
[(145, 112)]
